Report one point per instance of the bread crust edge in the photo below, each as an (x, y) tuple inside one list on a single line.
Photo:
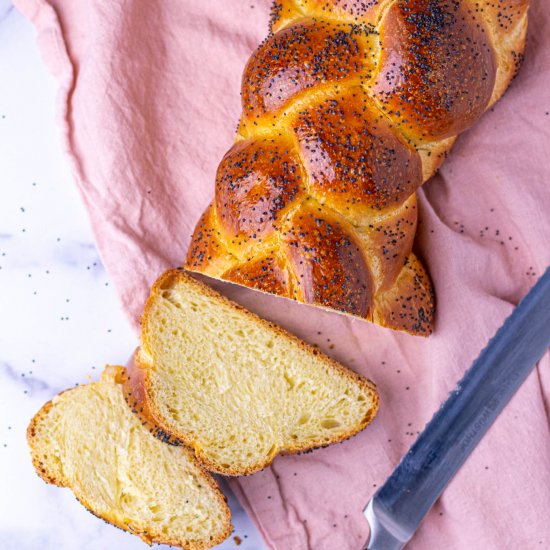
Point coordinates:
[(135, 528), (138, 387)]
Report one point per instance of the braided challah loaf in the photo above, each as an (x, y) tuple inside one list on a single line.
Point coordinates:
[(348, 107)]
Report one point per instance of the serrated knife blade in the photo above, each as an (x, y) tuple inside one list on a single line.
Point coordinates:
[(398, 507)]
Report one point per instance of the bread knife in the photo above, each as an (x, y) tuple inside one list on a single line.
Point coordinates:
[(396, 510)]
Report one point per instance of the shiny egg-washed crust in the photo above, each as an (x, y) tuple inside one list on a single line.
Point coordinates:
[(144, 532), (348, 107), (141, 399)]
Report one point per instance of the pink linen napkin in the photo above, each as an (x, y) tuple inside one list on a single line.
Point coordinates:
[(149, 101)]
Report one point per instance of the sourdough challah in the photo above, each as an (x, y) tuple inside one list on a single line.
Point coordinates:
[(348, 107)]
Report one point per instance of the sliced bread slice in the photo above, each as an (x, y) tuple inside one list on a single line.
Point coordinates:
[(235, 388), (87, 439)]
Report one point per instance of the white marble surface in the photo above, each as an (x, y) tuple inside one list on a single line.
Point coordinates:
[(60, 318)]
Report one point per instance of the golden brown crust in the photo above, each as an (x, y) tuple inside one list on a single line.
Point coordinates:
[(437, 68), (145, 532), (37, 462), (368, 96), (327, 261), (409, 305), (389, 241), (297, 58), (503, 15), (257, 181), (356, 163), (207, 252), (267, 273), (506, 22), (433, 154), (140, 382), (150, 536), (357, 11)]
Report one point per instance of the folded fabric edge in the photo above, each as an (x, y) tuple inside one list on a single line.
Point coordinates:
[(282, 515), (55, 52), (238, 491)]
